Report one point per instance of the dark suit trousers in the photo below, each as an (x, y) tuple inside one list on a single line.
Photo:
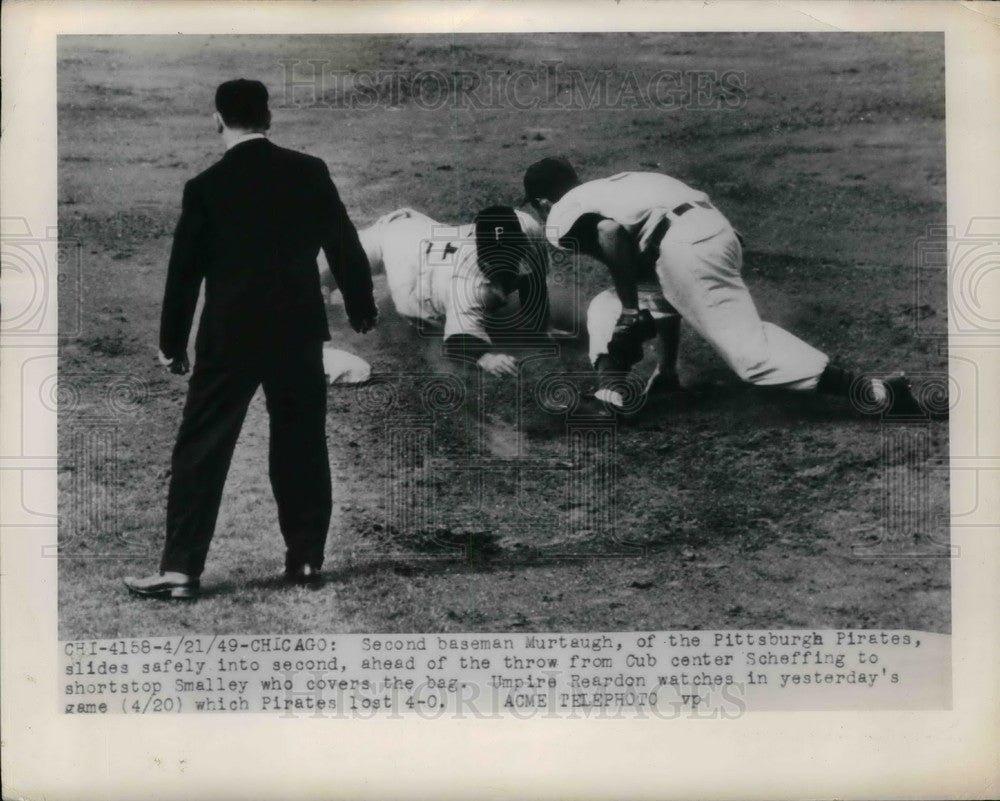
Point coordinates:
[(218, 398)]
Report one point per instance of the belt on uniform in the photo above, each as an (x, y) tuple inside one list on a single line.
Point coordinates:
[(686, 207), (664, 224)]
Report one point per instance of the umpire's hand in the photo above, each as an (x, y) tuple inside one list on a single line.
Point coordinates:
[(178, 365)]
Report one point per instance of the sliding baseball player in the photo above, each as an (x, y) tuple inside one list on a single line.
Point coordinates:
[(458, 277)]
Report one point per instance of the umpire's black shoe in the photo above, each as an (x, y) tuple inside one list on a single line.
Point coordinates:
[(304, 575), (163, 588)]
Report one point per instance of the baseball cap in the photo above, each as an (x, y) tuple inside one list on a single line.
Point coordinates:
[(549, 178), (500, 243)]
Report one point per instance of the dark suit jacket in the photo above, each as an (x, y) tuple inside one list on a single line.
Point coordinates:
[(252, 226)]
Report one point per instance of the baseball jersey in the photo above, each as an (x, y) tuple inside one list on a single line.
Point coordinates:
[(639, 202), (433, 272), (468, 299)]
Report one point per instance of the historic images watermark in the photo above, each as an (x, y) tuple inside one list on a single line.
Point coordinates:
[(550, 85)]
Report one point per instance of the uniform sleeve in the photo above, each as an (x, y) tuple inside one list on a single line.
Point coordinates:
[(184, 274), (465, 333), (344, 253), (562, 217), (582, 235)]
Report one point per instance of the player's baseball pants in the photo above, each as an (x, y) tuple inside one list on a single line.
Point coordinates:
[(394, 242), (701, 280), (605, 308)]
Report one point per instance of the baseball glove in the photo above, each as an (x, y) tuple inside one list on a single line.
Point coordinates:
[(631, 330)]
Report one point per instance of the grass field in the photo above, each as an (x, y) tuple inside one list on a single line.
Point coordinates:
[(460, 503)]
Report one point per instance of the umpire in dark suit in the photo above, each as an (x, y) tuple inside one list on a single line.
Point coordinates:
[(251, 227)]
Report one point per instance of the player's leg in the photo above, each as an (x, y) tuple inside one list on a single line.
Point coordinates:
[(371, 242), (602, 314), (667, 323), (872, 395), (616, 386), (668, 335), (703, 282), (403, 236)]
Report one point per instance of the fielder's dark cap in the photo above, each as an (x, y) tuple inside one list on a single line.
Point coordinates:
[(550, 178), (500, 244), (243, 104)]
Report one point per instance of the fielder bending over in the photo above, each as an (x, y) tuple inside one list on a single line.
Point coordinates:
[(670, 252)]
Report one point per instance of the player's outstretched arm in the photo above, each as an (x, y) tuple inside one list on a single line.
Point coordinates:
[(471, 349), (608, 242), (621, 256)]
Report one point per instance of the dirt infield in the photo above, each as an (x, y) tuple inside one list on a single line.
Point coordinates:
[(461, 503)]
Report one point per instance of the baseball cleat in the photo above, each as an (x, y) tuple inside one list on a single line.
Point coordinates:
[(929, 401), (662, 385), (591, 406), (899, 401)]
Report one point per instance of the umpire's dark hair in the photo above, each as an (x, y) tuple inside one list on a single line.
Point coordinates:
[(500, 244), (242, 104)]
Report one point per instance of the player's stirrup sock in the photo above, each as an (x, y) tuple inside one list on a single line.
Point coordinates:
[(838, 381), (611, 380)]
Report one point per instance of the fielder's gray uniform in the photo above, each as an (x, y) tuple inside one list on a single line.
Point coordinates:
[(698, 261)]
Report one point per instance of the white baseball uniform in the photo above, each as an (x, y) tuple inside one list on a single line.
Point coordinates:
[(433, 272), (698, 264)]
